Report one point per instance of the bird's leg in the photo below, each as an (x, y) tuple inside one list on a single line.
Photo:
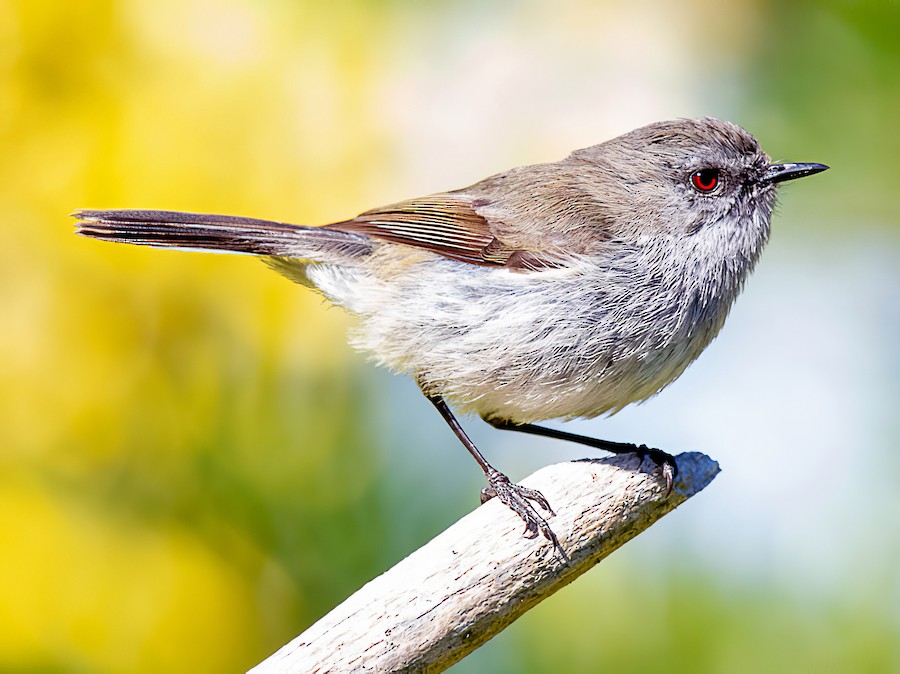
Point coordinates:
[(660, 458), (514, 496)]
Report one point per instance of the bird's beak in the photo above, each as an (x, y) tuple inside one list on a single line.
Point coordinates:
[(778, 173)]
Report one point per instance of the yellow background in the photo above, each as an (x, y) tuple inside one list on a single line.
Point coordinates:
[(194, 467)]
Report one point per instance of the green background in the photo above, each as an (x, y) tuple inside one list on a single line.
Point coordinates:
[(194, 466)]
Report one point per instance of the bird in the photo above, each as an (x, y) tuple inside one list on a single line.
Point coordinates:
[(559, 290)]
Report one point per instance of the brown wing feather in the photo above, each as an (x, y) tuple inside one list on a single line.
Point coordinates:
[(447, 224)]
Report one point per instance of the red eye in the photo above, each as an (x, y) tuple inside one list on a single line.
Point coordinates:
[(705, 180)]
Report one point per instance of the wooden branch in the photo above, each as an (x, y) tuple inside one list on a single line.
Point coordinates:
[(467, 584)]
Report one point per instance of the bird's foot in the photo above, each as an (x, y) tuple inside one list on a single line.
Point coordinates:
[(517, 498), (662, 459)]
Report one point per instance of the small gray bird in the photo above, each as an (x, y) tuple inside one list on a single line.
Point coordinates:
[(568, 289)]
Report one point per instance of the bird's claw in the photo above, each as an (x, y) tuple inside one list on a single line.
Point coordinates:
[(662, 459), (517, 498)]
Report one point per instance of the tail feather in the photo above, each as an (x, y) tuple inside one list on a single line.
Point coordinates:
[(196, 231)]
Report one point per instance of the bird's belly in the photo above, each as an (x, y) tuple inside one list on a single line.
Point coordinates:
[(519, 347), (505, 369), (602, 387)]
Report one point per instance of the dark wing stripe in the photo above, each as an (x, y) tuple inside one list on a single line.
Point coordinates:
[(413, 229), (446, 224), (444, 239)]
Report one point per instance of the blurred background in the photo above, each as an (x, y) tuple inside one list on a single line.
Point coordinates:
[(195, 467)]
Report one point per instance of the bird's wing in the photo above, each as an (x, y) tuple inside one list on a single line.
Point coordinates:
[(448, 224)]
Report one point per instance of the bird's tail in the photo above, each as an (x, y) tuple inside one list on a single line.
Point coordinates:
[(221, 233)]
